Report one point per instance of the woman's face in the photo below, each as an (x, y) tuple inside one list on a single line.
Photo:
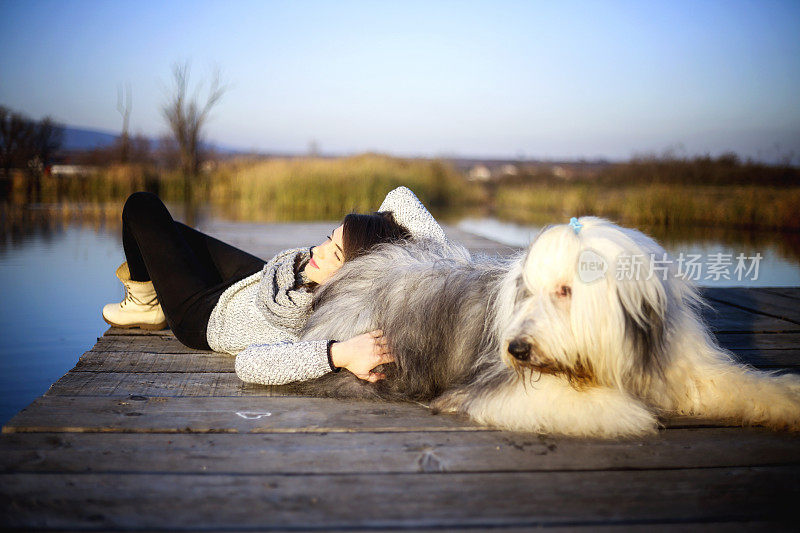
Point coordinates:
[(326, 258)]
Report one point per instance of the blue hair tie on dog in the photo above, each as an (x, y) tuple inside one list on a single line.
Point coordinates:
[(575, 225)]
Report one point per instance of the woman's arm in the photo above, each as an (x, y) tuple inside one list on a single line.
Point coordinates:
[(361, 354), (412, 214), (284, 362)]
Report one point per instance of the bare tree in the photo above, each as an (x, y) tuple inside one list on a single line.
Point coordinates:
[(186, 116), (16, 133), (7, 140), (48, 139), (125, 111), (25, 143)]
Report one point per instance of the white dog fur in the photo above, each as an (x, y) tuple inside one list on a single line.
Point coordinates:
[(599, 358)]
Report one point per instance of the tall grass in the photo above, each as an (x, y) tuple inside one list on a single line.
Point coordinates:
[(655, 205), (726, 169), (317, 189), (109, 184), (652, 192)]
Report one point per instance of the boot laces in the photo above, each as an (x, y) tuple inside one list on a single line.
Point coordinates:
[(133, 299)]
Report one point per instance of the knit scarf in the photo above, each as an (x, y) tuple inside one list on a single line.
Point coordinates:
[(284, 304)]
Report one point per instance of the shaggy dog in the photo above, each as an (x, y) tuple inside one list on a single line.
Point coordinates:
[(549, 341)]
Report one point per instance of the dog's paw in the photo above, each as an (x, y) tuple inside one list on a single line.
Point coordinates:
[(449, 402), (628, 418), (791, 382), (781, 410), (554, 407), (606, 414)]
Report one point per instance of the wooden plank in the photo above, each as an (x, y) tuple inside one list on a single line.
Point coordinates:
[(266, 240), (136, 332), (223, 414), (399, 452), (786, 292), (727, 318), (669, 527), (758, 341), (177, 384), (143, 343), (249, 414), (757, 301), (770, 359), (211, 501), (197, 384), (144, 362), (477, 243), (786, 306), (96, 361)]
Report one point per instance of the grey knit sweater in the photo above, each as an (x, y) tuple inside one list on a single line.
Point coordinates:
[(259, 318)]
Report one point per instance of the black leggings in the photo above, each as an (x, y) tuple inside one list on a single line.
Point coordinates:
[(189, 269)]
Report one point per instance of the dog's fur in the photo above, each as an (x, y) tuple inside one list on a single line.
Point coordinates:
[(602, 358)]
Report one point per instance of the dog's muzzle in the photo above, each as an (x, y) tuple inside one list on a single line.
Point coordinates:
[(520, 350)]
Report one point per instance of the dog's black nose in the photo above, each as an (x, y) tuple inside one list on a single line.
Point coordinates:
[(519, 349)]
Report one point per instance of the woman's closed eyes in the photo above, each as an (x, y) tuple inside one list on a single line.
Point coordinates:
[(326, 258), (338, 255)]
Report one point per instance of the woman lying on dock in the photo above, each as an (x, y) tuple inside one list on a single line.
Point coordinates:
[(217, 297)]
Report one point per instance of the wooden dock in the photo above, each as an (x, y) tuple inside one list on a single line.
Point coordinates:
[(146, 434)]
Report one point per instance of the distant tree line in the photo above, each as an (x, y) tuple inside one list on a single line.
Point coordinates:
[(644, 170), (133, 149), (722, 170), (26, 143)]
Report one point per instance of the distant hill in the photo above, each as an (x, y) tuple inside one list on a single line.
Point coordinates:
[(83, 139), (78, 139)]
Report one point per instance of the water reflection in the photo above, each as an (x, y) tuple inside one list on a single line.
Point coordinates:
[(54, 279)]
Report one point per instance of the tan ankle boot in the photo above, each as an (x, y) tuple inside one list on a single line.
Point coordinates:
[(139, 309)]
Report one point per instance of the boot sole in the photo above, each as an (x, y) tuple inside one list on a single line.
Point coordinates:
[(150, 327)]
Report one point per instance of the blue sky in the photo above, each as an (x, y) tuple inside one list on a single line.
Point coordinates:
[(537, 79)]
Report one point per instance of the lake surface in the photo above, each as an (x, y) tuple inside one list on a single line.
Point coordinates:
[(54, 283), (55, 278)]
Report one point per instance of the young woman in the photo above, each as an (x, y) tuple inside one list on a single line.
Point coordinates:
[(215, 296)]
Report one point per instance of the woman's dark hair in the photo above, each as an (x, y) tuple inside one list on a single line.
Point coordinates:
[(362, 232)]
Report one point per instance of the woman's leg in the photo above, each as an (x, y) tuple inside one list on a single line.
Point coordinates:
[(189, 269), (229, 262)]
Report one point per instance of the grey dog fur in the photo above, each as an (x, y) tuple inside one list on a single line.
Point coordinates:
[(435, 305)]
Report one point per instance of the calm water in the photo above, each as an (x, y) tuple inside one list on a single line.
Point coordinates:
[(54, 283), (56, 278)]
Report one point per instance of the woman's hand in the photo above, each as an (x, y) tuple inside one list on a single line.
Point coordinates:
[(361, 354)]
